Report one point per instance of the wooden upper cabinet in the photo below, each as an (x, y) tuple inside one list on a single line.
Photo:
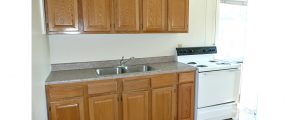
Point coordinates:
[(135, 105), (116, 16), (154, 15), (127, 15), (104, 107), (97, 15), (186, 101), (62, 15), (164, 104), (67, 110), (178, 15)]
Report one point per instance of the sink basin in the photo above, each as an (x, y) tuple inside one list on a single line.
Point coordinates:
[(121, 70), (109, 71), (137, 68)]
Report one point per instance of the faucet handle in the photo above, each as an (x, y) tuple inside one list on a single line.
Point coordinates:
[(122, 60)]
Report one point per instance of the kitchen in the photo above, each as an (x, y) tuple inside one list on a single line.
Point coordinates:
[(67, 57), (70, 56)]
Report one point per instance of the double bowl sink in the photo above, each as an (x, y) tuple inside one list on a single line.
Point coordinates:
[(123, 69)]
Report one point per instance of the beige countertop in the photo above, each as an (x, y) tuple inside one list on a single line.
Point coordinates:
[(83, 75)]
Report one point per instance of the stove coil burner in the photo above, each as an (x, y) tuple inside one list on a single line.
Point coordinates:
[(191, 63), (213, 61), (223, 63), (239, 62), (201, 66)]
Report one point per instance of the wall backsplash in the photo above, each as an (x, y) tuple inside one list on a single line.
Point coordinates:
[(98, 47)]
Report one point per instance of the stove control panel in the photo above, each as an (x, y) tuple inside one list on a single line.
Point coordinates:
[(196, 50)]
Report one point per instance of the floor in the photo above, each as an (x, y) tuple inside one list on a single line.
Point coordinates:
[(247, 114)]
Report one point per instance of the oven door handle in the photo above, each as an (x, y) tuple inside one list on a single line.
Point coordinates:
[(224, 70), (232, 70)]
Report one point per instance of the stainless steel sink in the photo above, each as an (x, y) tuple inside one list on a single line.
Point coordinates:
[(137, 68), (121, 70), (108, 71)]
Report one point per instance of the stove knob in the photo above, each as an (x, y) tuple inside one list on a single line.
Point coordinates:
[(183, 51)]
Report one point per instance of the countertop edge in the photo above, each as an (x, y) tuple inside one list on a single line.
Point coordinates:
[(113, 77), (187, 68)]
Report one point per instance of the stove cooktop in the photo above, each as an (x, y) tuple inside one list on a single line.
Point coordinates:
[(217, 62), (203, 64), (204, 59)]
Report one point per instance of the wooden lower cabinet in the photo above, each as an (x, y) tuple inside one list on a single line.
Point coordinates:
[(72, 109), (135, 105), (103, 107), (164, 103), (138, 98), (186, 101)]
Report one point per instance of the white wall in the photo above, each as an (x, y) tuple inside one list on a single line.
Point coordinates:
[(95, 47), (40, 64), (211, 21)]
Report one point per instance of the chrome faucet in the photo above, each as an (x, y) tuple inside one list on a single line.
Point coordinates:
[(123, 61)]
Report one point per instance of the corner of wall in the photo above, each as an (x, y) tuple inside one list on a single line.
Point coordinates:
[(40, 63)]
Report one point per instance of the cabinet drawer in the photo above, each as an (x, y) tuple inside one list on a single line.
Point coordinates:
[(163, 80), (186, 77), (108, 86), (136, 84), (64, 91)]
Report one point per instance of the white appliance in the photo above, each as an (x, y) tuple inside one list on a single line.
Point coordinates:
[(217, 86)]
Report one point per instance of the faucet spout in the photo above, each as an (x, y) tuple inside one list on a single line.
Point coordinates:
[(124, 61)]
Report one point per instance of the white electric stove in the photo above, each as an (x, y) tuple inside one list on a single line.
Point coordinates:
[(218, 83)]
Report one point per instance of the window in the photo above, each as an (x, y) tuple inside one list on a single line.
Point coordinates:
[(231, 30)]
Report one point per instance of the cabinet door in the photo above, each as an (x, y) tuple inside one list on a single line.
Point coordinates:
[(154, 15), (186, 101), (127, 15), (103, 107), (62, 15), (135, 105), (178, 15), (164, 104), (97, 15), (67, 110)]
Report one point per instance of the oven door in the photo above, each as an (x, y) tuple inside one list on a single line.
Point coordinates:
[(218, 87)]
